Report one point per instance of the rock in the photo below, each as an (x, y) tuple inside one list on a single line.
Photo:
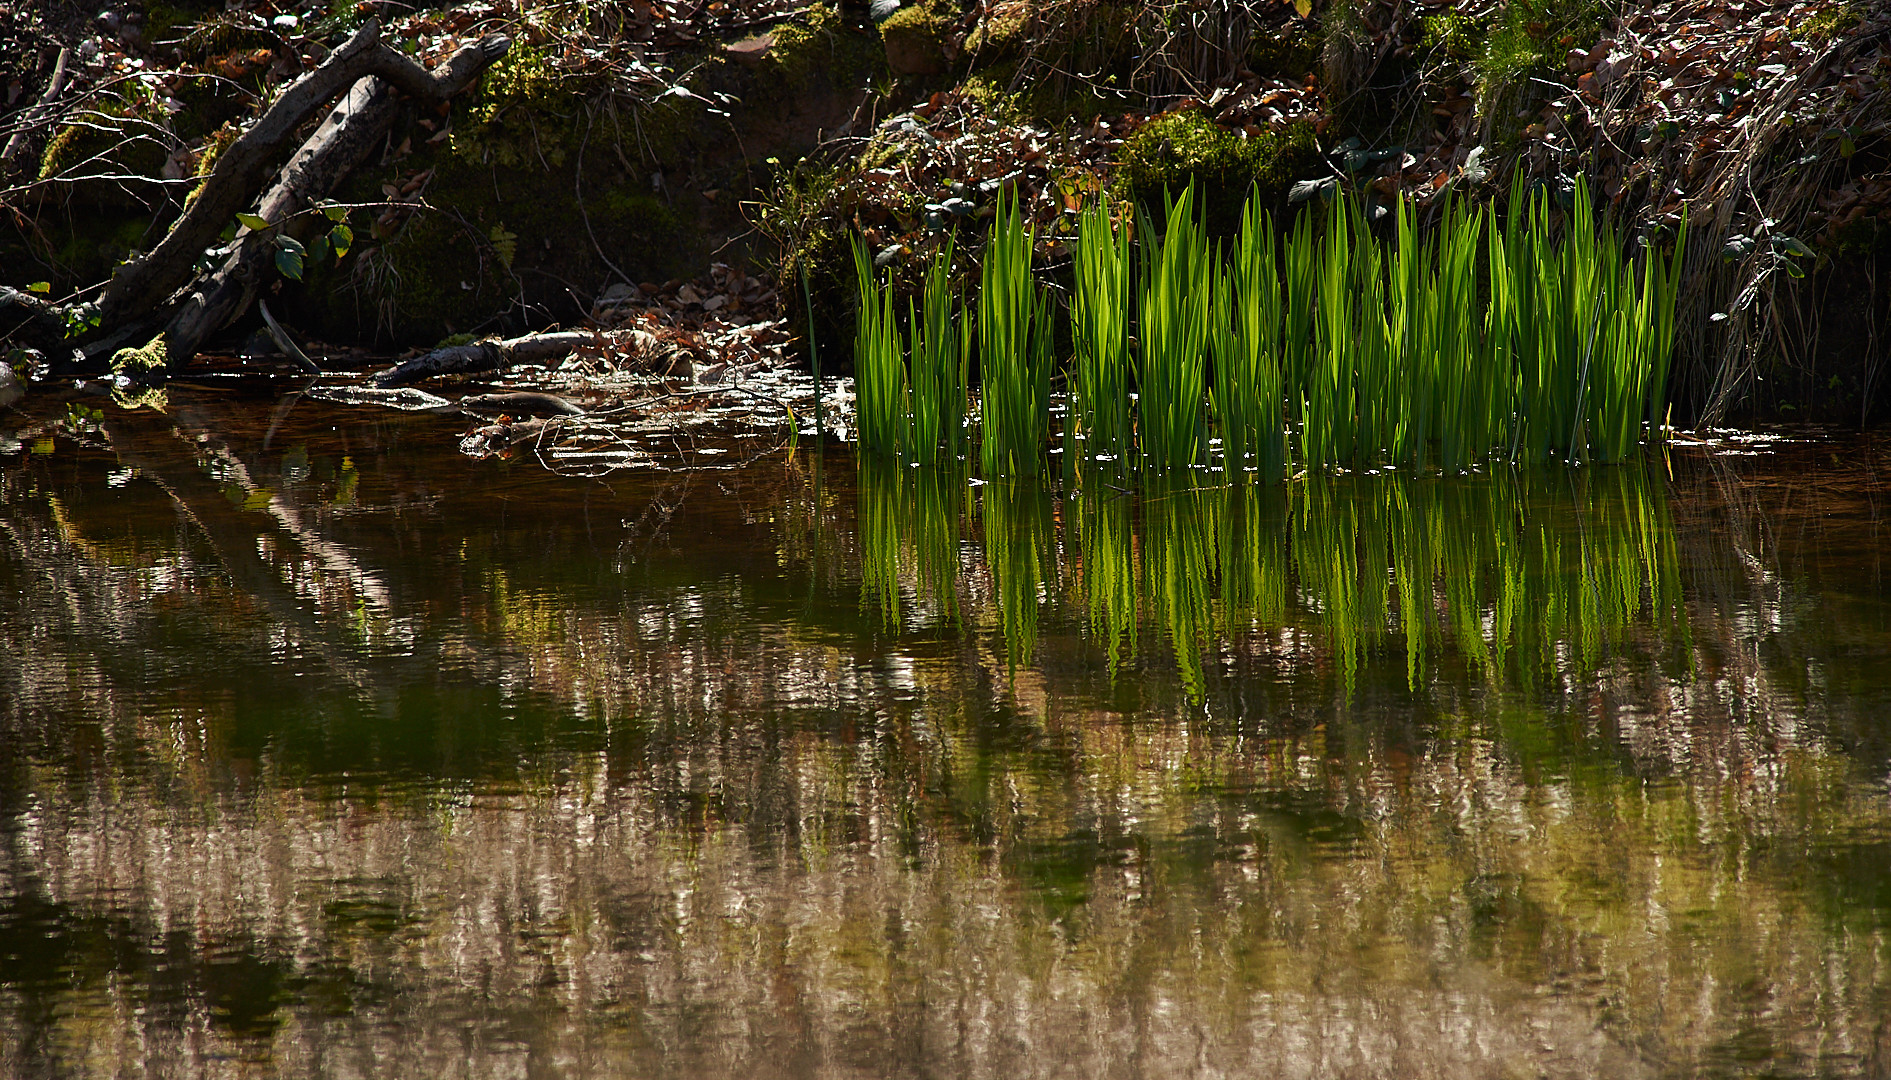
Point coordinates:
[(11, 388)]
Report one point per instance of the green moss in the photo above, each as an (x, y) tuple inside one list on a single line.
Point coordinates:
[(1003, 34), (822, 46), (525, 112), (1523, 37), (917, 38), (1823, 27), (1025, 46), (143, 365), (1168, 153), (109, 133)]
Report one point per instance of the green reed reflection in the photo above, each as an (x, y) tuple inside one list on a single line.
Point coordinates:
[(1021, 550), (1106, 563), (909, 537), (1515, 575)]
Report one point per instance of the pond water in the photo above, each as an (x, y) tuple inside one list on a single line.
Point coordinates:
[(327, 752)]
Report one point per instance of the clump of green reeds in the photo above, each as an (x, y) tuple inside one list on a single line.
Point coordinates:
[(1099, 332), (940, 342), (1518, 337), (1180, 279), (880, 394), (1245, 339), (1014, 349), (917, 414)]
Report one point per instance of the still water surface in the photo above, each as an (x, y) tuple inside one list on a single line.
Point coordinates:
[(325, 752)]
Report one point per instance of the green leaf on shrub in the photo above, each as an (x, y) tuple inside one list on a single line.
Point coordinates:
[(1738, 247), (40, 287), (290, 264), (341, 238), (253, 222), (336, 213)]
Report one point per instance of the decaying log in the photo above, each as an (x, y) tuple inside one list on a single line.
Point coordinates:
[(521, 403), (345, 139), (643, 351), (151, 279), (30, 321)]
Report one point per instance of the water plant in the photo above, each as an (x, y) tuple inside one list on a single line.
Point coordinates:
[(880, 392), (940, 343), (1180, 279), (1099, 332), (1246, 397), (1520, 337), (1014, 349)]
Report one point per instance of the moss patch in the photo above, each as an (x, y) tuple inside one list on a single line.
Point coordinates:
[(1168, 153), (146, 365)]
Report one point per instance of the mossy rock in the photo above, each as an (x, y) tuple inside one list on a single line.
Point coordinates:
[(144, 367), (1170, 152), (917, 38), (822, 49), (1015, 45)]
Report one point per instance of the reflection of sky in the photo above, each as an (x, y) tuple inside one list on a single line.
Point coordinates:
[(482, 771)]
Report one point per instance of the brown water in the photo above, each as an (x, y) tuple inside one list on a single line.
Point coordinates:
[(327, 752)]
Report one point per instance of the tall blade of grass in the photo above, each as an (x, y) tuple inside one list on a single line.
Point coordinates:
[(938, 351), (880, 395), (1099, 331), (1014, 353), (1177, 286)]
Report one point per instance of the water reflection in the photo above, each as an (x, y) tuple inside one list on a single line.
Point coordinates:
[(1528, 576), (325, 753)]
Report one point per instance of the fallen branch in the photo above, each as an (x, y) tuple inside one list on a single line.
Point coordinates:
[(149, 280), (648, 352), (41, 112), (345, 139)]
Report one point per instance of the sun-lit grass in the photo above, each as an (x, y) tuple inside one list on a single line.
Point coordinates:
[(1099, 332), (880, 395), (1180, 279), (1517, 337), (1014, 350)]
